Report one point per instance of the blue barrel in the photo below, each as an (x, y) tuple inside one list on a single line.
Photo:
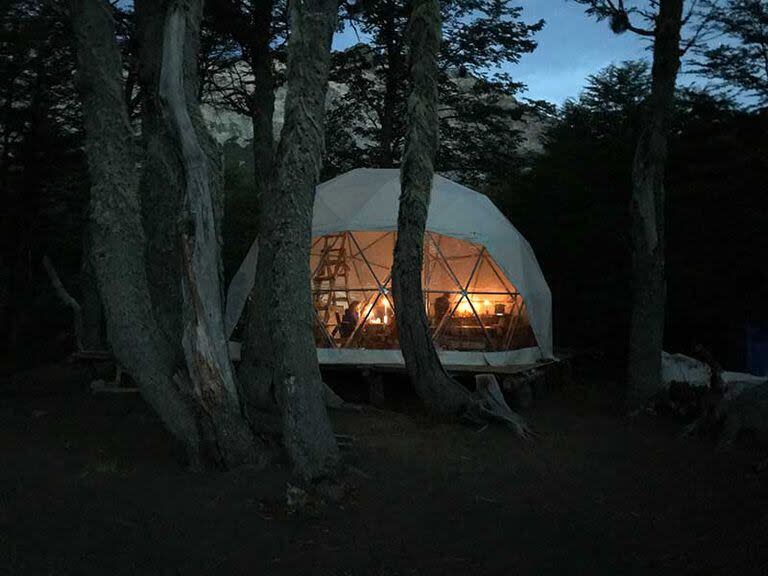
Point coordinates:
[(757, 350)]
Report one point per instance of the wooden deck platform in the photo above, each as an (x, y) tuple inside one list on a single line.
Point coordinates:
[(464, 369)]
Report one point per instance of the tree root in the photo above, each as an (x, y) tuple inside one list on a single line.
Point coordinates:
[(336, 402), (488, 403)]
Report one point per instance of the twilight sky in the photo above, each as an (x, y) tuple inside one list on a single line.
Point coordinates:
[(571, 47)]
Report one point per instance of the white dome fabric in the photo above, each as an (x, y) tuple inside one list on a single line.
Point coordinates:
[(368, 199)]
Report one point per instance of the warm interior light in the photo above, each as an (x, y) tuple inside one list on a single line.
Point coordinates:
[(464, 309), (451, 308), (482, 306)]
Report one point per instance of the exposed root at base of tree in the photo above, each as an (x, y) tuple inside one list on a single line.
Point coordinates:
[(488, 404)]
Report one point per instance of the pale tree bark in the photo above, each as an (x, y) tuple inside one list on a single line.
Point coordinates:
[(162, 177), (205, 347), (198, 404), (280, 361), (647, 213), (440, 393)]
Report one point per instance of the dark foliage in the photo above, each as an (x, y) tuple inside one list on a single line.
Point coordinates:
[(241, 208), (572, 204), (366, 127), (716, 213), (230, 31), (42, 173), (739, 61)]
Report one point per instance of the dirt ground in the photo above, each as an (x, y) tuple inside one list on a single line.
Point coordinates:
[(91, 484)]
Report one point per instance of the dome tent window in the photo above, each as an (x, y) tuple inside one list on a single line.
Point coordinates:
[(469, 303)]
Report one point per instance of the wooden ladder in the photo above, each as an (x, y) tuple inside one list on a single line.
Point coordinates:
[(330, 281)]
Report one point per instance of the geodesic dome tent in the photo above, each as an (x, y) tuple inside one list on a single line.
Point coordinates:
[(485, 295)]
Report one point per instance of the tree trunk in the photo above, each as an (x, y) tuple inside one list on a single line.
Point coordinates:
[(263, 97), (196, 410), (117, 233), (280, 360), (647, 213), (392, 78), (162, 177), (441, 393), (205, 347)]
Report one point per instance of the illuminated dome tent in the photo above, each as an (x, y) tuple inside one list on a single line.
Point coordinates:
[(485, 295)]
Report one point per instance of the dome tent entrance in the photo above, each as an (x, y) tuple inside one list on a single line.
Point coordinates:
[(485, 294)]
